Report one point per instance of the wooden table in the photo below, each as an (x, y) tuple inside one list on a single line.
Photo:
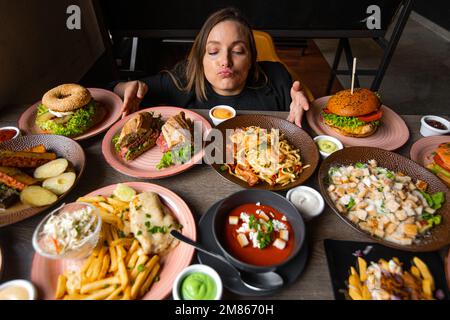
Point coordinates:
[(200, 187)]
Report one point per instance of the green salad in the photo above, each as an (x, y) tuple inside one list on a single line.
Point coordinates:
[(71, 125)]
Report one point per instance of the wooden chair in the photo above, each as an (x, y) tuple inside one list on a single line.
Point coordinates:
[(266, 52)]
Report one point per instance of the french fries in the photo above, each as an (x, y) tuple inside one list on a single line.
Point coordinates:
[(117, 269), (366, 284)]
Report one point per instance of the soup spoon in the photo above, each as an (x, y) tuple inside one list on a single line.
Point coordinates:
[(256, 281)]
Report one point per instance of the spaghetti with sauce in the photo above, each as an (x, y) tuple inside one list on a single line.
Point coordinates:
[(260, 155)]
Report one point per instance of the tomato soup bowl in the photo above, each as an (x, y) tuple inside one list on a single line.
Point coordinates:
[(249, 258)]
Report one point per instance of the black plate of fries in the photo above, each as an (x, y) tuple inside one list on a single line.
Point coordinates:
[(348, 262)]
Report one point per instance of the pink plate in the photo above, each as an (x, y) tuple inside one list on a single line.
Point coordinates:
[(110, 106), (44, 272), (145, 165), (421, 151), (391, 135)]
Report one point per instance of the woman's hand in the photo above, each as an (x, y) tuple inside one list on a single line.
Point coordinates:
[(298, 105), (132, 93)]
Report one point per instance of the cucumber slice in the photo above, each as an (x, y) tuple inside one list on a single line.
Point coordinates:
[(124, 192)]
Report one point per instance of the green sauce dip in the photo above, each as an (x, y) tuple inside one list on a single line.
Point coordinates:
[(198, 286), (327, 146)]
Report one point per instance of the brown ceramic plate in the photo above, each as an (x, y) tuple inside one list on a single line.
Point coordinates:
[(64, 148), (109, 105), (391, 135), (295, 135), (439, 237)]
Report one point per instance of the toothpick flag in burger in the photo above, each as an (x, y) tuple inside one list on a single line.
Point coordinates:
[(67, 110), (355, 115)]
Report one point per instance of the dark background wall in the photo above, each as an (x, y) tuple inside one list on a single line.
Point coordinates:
[(437, 11), (38, 51)]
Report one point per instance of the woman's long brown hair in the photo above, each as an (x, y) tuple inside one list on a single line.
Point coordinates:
[(195, 75)]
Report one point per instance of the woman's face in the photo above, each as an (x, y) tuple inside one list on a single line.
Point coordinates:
[(227, 58)]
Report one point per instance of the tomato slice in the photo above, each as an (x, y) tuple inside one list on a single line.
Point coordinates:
[(371, 116), (437, 159), (326, 111)]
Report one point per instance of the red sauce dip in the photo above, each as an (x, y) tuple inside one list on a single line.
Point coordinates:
[(7, 134), (436, 124), (269, 255)]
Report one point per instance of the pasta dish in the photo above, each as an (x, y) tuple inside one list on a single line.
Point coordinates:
[(259, 155)]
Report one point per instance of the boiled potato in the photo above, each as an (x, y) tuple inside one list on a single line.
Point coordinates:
[(36, 196), (60, 184), (51, 169)]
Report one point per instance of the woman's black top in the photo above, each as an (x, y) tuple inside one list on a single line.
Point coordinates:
[(273, 94)]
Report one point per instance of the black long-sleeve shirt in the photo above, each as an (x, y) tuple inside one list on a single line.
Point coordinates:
[(274, 95)]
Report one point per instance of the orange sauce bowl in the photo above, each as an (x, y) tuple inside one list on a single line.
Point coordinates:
[(221, 113)]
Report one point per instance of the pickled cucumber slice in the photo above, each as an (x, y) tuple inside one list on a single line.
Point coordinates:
[(124, 192)]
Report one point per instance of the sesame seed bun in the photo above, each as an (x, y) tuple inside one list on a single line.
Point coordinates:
[(66, 97), (361, 102)]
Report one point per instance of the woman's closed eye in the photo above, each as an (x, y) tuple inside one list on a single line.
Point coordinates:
[(238, 51)]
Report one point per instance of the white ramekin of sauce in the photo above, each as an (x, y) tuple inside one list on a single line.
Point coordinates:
[(327, 145), (220, 113), (308, 201), (434, 126), (17, 290)]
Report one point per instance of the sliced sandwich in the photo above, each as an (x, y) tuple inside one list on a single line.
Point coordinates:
[(138, 135), (176, 140)]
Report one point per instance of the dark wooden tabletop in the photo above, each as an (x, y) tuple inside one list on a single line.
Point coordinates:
[(200, 187)]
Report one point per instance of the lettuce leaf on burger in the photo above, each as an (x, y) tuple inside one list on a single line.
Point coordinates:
[(67, 110), (355, 115)]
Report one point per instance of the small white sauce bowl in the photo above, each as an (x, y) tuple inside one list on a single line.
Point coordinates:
[(17, 130), (338, 143), (320, 202), (217, 121), (200, 268), (27, 285), (426, 130)]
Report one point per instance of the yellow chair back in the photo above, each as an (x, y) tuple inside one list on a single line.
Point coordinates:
[(266, 52)]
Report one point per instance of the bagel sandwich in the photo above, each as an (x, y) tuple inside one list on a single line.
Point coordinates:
[(138, 135), (354, 115), (67, 110)]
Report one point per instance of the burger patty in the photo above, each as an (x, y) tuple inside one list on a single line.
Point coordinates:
[(358, 131)]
